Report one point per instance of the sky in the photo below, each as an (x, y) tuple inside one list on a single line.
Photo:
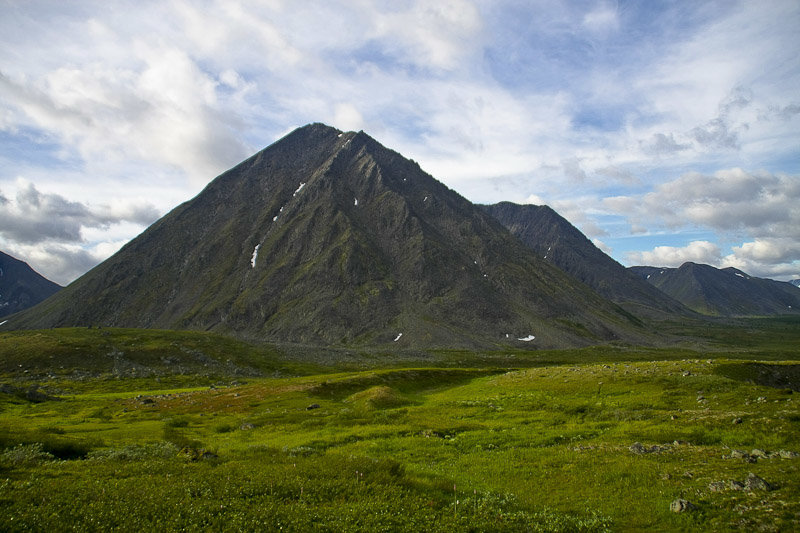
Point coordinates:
[(667, 131)]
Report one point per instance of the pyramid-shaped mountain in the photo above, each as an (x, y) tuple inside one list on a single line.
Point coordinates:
[(327, 237), (21, 286), (554, 239), (723, 292)]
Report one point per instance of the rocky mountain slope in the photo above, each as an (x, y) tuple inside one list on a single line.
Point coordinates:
[(327, 237), (554, 239), (21, 286), (723, 292)]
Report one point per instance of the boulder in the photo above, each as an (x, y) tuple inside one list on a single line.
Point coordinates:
[(717, 486), (753, 482), (681, 506)]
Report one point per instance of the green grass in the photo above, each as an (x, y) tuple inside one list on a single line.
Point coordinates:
[(481, 445)]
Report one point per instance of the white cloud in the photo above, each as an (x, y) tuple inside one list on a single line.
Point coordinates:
[(602, 246), (347, 117), (151, 100), (760, 204), (601, 20), (672, 256)]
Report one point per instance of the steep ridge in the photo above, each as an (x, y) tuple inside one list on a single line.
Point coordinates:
[(21, 286), (328, 237), (554, 239), (723, 292)]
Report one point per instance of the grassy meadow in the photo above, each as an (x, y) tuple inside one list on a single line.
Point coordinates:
[(125, 430)]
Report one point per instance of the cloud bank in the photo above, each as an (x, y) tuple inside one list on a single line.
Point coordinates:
[(610, 112)]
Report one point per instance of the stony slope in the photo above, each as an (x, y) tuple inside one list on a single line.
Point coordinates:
[(327, 237), (554, 239), (723, 292), (21, 286)]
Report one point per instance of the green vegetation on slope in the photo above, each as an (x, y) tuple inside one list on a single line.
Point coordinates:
[(585, 440)]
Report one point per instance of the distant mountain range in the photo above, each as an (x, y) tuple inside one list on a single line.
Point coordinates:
[(327, 237), (795, 282), (723, 292), (21, 286), (557, 241)]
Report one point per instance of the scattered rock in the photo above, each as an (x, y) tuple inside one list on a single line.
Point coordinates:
[(736, 485), (681, 506), (197, 454), (786, 454), (753, 482), (35, 395), (737, 420), (246, 426), (147, 401), (312, 406), (761, 454), (639, 448), (717, 486)]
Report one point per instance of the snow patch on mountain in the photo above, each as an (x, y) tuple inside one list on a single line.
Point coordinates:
[(255, 255)]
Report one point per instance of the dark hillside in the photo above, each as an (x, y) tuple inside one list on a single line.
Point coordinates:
[(21, 286), (555, 240), (327, 237), (723, 292)]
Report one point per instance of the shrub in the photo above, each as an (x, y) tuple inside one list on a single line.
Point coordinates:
[(136, 452), (26, 454)]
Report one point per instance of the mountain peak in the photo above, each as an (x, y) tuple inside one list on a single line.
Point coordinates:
[(557, 241), (727, 292), (328, 237)]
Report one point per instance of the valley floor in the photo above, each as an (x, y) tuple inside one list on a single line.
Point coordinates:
[(603, 446)]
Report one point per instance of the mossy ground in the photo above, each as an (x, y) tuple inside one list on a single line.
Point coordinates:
[(541, 448)]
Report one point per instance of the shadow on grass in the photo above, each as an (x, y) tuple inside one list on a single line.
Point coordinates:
[(769, 375)]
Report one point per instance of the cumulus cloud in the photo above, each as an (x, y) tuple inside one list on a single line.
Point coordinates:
[(493, 98), (34, 217), (62, 263), (602, 246), (760, 204), (673, 256), (767, 257)]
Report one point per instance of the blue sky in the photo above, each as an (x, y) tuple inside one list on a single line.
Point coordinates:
[(666, 131)]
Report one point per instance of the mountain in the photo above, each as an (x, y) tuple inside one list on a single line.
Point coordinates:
[(723, 292), (21, 286), (329, 238), (795, 282), (555, 240)]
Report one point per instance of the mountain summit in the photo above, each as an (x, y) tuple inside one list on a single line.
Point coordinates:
[(327, 237), (723, 292), (554, 239)]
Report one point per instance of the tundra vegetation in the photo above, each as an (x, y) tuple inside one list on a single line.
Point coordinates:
[(141, 430)]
